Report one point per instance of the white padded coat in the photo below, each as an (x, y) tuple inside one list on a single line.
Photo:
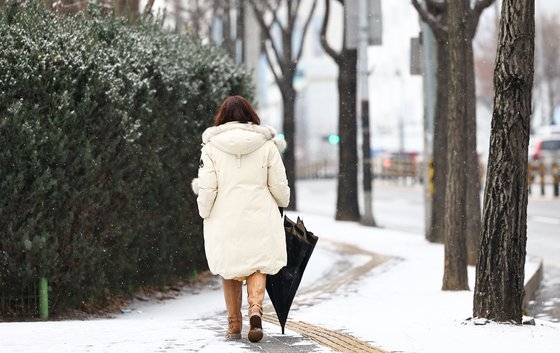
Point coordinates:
[(241, 183)]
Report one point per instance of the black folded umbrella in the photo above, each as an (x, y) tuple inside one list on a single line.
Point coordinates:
[(282, 287)]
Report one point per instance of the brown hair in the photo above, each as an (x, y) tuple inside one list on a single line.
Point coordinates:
[(236, 108)]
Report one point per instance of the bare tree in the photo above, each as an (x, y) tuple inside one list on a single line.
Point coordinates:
[(148, 8), (198, 16), (547, 65), (435, 14), (217, 21), (472, 171), (499, 287), (455, 268), (548, 61), (127, 8), (121, 8), (277, 20), (347, 208), (228, 43)]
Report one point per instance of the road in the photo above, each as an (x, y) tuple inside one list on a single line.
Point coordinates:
[(401, 206), (543, 221), (543, 240)]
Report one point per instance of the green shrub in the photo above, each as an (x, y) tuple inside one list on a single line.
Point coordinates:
[(100, 125)]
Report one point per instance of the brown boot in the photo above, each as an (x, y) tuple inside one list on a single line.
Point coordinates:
[(256, 285), (232, 295)]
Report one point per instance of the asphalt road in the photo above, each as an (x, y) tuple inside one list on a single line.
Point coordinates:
[(543, 240)]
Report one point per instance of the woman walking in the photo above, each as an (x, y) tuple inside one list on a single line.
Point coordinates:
[(241, 184)]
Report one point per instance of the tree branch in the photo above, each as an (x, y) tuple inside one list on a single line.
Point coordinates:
[(474, 16), (439, 30), (148, 8), (437, 5), (481, 5), (296, 9), (267, 32), (274, 13), (305, 27), (279, 80), (324, 43)]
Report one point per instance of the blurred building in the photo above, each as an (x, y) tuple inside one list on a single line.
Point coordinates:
[(317, 111)]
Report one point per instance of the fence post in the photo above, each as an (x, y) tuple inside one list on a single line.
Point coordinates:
[(555, 178), (541, 174), (44, 298)]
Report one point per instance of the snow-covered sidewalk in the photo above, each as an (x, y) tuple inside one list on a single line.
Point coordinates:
[(398, 306)]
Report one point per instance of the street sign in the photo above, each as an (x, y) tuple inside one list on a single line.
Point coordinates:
[(375, 23), (416, 56)]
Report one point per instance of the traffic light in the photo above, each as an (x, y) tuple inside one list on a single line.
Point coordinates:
[(333, 139)]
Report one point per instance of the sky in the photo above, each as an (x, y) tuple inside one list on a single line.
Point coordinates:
[(397, 306)]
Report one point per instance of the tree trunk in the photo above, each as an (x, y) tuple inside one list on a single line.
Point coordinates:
[(472, 164), (282, 55), (455, 266), (435, 233), (289, 130), (500, 276), (228, 41), (347, 208), (435, 14)]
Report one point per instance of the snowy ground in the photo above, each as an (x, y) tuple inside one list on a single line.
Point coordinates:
[(398, 306)]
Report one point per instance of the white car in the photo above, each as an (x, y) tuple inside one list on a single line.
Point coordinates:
[(545, 149)]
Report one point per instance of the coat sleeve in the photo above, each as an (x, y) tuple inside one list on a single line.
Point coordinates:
[(207, 184), (277, 180)]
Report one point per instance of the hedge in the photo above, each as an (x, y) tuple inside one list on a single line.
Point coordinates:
[(100, 125)]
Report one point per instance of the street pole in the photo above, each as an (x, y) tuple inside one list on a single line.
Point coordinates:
[(429, 67), (363, 93)]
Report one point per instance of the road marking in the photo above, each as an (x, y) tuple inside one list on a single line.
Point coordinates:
[(337, 341)]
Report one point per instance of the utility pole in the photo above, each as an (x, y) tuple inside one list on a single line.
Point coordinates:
[(429, 47), (363, 94)]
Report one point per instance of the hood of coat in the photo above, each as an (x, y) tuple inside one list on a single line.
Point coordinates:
[(240, 139)]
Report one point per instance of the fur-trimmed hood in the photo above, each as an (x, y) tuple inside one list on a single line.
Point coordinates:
[(240, 139)]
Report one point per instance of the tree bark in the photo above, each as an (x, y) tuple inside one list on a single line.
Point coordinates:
[(472, 171), (289, 129), (436, 15), (347, 208), (455, 266), (472, 165), (499, 287), (228, 41), (436, 227)]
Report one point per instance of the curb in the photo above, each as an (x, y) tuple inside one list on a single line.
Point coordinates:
[(532, 284)]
